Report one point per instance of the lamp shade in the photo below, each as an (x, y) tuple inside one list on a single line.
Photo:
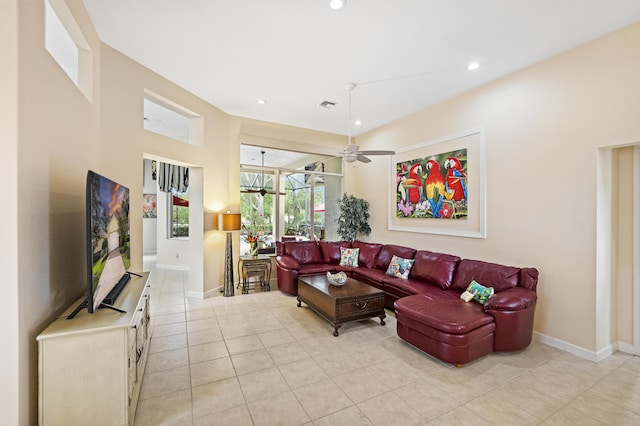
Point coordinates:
[(229, 222)]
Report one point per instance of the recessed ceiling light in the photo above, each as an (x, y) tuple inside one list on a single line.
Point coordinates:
[(262, 101), (473, 66), (357, 122), (337, 4)]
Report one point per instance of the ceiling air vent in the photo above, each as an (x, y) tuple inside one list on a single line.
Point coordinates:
[(327, 104)]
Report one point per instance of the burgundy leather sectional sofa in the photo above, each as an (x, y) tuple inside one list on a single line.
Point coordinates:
[(429, 312)]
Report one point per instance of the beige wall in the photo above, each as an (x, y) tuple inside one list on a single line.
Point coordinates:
[(12, 405), (544, 126)]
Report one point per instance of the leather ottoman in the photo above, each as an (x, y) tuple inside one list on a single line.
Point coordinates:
[(450, 329)]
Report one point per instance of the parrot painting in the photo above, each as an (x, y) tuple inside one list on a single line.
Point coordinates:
[(414, 183), (456, 180)]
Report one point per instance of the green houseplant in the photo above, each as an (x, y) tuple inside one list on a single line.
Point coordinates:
[(354, 217)]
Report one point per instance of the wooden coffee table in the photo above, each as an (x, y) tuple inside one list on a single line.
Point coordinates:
[(351, 302)]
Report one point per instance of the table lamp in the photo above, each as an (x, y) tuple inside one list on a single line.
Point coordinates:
[(228, 222)]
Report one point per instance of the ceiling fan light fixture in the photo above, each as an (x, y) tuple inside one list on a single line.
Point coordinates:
[(337, 4)]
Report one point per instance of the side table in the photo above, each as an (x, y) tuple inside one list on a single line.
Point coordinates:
[(258, 267)]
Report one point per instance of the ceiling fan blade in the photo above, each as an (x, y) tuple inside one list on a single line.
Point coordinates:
[(377, 152), (260, 191), (363, 159)]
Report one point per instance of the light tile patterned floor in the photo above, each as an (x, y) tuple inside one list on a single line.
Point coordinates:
[(258, 359)]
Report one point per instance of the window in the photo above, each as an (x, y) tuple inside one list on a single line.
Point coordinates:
[(66, 44), (179, 214), (169, 119), (257, 209), (300, 203)]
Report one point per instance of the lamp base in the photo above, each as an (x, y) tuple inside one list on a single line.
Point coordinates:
[(228, 267)]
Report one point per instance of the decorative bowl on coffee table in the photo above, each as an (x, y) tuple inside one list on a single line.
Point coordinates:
[(338, 279)]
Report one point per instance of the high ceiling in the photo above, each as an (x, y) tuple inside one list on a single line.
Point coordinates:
[(404, 55)]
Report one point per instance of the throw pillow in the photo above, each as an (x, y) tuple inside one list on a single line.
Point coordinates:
[(399, 267), (477, 293), (349, 256)]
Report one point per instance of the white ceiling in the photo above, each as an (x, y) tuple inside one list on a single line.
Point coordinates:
[(298, 53)]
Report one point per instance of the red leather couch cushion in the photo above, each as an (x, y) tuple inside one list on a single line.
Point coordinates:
[(499, 277), (331, 250), (368, 253), (304, 251), (445, 315), (375, 275), (434, 268), (529, 278), (411, 287), (388, 251)]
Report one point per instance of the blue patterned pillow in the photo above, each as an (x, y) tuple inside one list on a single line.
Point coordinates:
[(399, 267), (349, 256)]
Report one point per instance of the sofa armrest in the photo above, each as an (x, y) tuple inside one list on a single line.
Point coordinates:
[(513, 299), (288, 262)]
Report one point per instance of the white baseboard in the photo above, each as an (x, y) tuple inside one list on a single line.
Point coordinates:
[(207, 294), (173, 267), (195, 295), (273, 284), (627, 348), (213, 292), (574, 349)]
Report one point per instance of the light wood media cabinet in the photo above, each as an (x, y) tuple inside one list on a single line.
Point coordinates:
[(91, 367)]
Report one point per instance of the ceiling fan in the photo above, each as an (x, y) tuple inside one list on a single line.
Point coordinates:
[(262, 191), (352, 152)]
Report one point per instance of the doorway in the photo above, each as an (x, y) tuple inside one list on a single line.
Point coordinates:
[(618, 251)]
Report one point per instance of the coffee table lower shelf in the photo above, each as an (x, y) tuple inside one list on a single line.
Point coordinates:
[(337, 305)]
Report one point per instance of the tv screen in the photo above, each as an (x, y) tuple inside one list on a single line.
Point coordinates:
[(108, 245)]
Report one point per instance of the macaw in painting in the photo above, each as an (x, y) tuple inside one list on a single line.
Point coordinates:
[(456, 180), (434, 180), (401, 177), (434, 185), (414, 183)]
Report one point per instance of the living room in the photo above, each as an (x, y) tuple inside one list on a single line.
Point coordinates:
[(560, 139)]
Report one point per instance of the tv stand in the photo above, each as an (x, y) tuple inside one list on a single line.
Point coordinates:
[(111, 297), (91, 369)]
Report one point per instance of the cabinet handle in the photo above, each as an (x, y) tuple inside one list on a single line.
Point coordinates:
[(361, 305)]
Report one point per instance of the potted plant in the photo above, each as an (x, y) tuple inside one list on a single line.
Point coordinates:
[(354, 217)]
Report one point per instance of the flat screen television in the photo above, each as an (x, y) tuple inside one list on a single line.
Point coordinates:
[(108, 252)]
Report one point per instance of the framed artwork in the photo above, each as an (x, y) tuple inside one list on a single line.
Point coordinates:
[(149, 206), (438, 186)]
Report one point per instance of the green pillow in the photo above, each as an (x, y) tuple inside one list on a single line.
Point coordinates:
[(349, 256), (399, 267), (480, 293)]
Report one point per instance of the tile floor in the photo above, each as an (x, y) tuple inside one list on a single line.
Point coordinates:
[(258, 359)]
